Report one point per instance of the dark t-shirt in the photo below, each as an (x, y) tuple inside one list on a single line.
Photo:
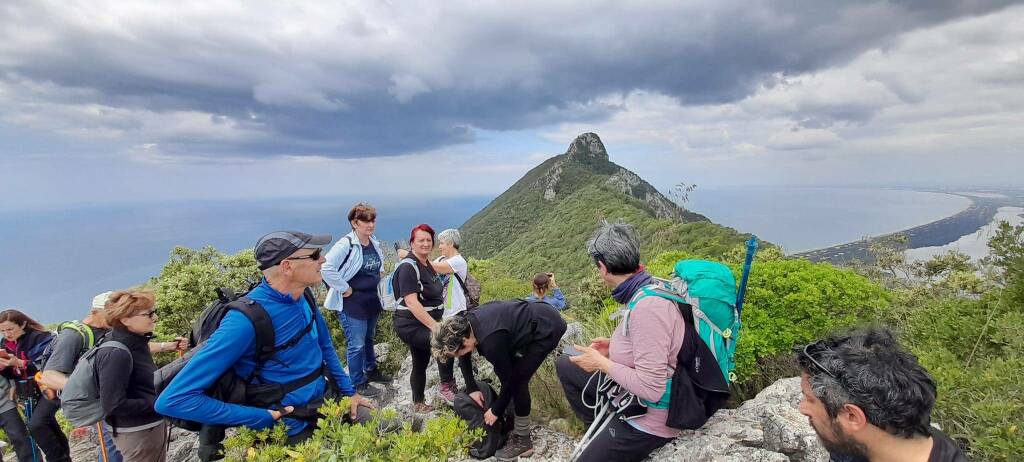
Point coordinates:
[(433, 290), (364, 302), (945, 449), (66, 349)]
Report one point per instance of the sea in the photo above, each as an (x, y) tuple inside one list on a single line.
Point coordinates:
[(56, 260)]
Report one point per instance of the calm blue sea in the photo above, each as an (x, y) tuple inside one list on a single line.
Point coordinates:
[(802, 219), (56, 261)]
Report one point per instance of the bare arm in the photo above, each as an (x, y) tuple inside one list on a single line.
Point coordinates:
[(442, 267), (53, 380)]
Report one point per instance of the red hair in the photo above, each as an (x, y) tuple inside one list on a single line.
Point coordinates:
[(421, 227)]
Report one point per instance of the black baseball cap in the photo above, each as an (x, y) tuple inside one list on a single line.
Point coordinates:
[(278, 245)]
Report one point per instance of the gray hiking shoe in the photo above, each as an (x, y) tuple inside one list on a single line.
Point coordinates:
[(517, 446), (368, 391)]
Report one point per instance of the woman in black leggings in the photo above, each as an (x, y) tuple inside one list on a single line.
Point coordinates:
[(515, 336), (419, 309)]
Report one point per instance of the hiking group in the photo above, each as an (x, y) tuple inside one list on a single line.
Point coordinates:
[(266, 356)]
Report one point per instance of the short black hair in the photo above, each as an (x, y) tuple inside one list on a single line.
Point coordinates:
[(868, 368)]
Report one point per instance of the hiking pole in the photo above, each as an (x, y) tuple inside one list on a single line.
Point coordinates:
[(103, 441), (751, 250), (28, 417)]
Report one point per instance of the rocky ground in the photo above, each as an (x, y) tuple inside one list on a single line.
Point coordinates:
[(767, 428)]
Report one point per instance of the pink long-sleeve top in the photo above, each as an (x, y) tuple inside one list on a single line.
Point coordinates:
[(644, 359)]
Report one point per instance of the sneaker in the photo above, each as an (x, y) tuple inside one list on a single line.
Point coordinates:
[(447, 392), (517, 446), (368, 391), (377, 376), (422, 408)]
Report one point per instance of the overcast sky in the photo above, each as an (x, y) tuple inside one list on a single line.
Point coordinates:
[(109, 100)]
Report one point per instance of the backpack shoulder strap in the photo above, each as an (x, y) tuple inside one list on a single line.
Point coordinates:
[(653, 290), (120, 346), (262, 325), (88, 338), (349, 254), (311, 301)]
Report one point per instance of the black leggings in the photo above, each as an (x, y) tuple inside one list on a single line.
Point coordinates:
[(447, 370), (17, 434), (619, 441), (411, 331), (46, 431)]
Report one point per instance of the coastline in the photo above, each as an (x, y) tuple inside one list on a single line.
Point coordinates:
[(979, 214)]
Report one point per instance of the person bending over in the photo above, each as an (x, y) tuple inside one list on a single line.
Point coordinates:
[(515, 337)]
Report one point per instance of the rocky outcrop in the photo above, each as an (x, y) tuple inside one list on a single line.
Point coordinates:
[(768, 428), (630, 183)]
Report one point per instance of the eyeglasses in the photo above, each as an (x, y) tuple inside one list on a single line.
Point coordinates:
[(818, 346), (313, 256), (151, 314)]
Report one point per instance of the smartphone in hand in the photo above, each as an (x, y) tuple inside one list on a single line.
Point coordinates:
[(570, 350)]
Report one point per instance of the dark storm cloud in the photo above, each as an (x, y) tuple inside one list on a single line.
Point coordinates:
[(370, 79)]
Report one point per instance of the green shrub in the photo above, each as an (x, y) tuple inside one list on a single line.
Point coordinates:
[(441, 439)]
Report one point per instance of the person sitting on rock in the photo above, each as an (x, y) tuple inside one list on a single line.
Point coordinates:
[(868, 399), (515, 337), (545, 289), (290, 262), (639, 359)]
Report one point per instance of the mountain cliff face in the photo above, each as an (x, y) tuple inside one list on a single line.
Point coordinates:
[(584, 164), (543, 220)]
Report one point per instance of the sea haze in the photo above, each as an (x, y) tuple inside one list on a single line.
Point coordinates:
[(58, 260), (801, 219)]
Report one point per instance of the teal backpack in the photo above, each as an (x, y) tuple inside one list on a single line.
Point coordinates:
[(710, 288)]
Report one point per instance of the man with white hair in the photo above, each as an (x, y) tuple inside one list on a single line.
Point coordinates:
[(73, 339)]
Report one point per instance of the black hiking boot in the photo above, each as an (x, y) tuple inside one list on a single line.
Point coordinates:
[(368, 391), (377, 376), (517, 446)]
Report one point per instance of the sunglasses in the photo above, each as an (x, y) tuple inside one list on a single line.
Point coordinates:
[(818, 347), (313, 256), (151, 314)]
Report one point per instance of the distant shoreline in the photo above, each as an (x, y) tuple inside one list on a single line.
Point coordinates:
[(937, 233)]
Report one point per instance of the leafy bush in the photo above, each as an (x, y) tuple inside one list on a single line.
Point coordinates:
[(187, 283), (441, 439)]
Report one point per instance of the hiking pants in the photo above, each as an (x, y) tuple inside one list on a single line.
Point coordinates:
[(211, 443), (46, 431), (17, 434), (413, 333), (359, 345), (149, 445), (534, 355), (619, 441)]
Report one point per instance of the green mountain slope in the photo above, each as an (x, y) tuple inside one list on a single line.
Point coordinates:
[(543, 220)]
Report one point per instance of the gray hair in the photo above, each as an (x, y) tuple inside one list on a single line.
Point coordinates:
[(451, 236), (870, 370), (617, 245)]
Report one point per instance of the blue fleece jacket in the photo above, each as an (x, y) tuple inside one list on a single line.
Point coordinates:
[(556, 299), (233, 344)]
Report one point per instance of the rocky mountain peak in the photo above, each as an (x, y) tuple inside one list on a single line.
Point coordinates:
[(587, 148)]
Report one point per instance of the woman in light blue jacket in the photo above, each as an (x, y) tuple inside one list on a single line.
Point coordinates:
[(352, 270)]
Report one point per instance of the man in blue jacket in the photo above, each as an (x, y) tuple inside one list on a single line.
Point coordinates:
[(290, 262)]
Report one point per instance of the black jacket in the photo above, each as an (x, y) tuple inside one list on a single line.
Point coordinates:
[(29, 348), (127, 399)]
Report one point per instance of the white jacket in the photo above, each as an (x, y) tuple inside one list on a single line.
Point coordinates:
[(337, 276)]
